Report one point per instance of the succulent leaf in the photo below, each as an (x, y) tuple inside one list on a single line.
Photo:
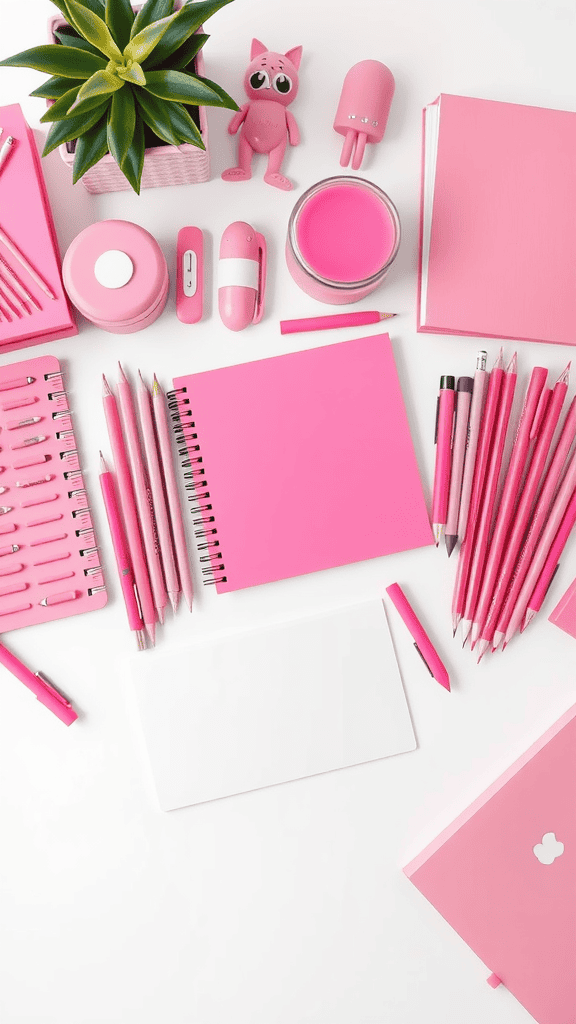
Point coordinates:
[(141, 45), (132, 73), (53, 59), (184, 55), (227, 100), (121, 124), (55, 87), (102, 85), (90, 148), (188, 20), (72, 128), (154, 113), (59, 109), (181, 88), (133, 163), (96, 6), (119, 18), (93, 28), (67, 39), (153, 10)]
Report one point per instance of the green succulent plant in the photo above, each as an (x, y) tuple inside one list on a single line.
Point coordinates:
[(115, 72)]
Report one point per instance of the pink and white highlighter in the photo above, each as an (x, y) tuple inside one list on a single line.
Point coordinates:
[(343, 236)]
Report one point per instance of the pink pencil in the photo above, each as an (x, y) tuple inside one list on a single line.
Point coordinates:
[(443, 440), (551, 564), (484, 522), (174, 506), (463, 400), (120, 545), (557, 511), (325, 323), (546, 426), (128, 506), (476, 407), (157, 484), (480, 467), (142, 493), (514, 476)]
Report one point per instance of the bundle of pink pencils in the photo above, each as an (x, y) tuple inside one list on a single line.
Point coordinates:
[(509, 550)]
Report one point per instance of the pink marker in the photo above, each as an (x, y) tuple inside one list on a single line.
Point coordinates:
[(464, 390), (43, 690), (480, 467), (521, 518), (142, 493), (516, 468), (241, 276), (551, 564), (443, 441), (484, 522)]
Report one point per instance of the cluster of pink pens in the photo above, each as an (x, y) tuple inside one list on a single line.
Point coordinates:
[(509, 552), (144, 511)]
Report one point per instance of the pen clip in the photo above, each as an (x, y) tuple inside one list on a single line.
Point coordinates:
[(424, 660), (262, 263), (52, 689)]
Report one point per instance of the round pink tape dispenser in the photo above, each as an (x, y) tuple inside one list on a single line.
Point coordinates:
[(363, 109)]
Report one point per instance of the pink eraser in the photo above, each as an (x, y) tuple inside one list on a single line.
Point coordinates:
[(363, 109), (190, 275), (241, 276)]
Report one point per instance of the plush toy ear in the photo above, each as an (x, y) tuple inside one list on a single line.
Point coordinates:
[(256, 48), (295, 55)]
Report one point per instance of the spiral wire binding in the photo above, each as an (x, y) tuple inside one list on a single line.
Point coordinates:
[(212, 561)]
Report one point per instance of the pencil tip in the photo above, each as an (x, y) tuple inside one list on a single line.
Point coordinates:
[(450, 540), (513, 364), (121, 372), (140, 639), (105, 386), (565, 375)]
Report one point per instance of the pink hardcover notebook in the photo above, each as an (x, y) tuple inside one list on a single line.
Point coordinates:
[(564, 614), (49, 562), (503, 876), (498, 221), (301, 462), (26, 218)]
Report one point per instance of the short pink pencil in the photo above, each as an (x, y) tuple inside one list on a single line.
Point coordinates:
[(482, 532), (326, 323), (142, 493), (174, 506), (129, 511), (443, 440), (157, 485), (509, 497), (561, 502), (476, 408), (551, 564), (464, 389)]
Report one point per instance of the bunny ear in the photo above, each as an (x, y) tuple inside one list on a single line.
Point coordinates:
[(294, 55), (256, 48)]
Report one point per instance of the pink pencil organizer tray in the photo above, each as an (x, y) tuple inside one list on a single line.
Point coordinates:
[(116, 275)]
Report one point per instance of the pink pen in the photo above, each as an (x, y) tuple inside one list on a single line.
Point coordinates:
[(480, 467), (486, 509), (327, 323), (142, 493), (464, 390), (422, 641), (517, 465), (128, 506), (174, 506), (44, 691), (551, 564), (121, 554), (561, 502), (157, 485), (476, 407), (443, 442), (520, 522)]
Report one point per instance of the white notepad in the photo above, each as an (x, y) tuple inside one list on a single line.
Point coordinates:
[(252, 709)]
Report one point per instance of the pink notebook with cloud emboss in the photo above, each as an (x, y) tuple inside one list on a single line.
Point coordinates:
[(300, 462)]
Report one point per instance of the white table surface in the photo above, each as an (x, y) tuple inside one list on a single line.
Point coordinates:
[(285, 906)]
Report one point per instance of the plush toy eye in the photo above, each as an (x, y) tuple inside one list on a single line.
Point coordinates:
[(260, 80), (282, 84)]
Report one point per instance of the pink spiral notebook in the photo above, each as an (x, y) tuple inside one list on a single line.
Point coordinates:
[(503, 876), (49, 562), (498, 221), (299, 462)]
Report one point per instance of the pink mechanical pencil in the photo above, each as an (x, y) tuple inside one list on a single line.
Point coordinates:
[(443, 441), (325, 323), (174, 507), (422, 641), (157, 484), (476, 407), (120, 545), (480, 467), (142, 494), (486, 509), (464, 389), (551, 564), (561, 502), (520, 523), (128, 506), (518, 460)]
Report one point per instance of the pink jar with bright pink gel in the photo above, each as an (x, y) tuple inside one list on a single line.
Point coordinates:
[(116, 275), (343, 236)]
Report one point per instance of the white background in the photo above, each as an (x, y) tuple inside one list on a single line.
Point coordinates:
[(285, 906)]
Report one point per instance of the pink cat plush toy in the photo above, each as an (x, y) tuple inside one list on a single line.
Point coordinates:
[(271, 83)]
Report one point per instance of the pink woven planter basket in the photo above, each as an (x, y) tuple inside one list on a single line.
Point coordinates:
[(163, 165)]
